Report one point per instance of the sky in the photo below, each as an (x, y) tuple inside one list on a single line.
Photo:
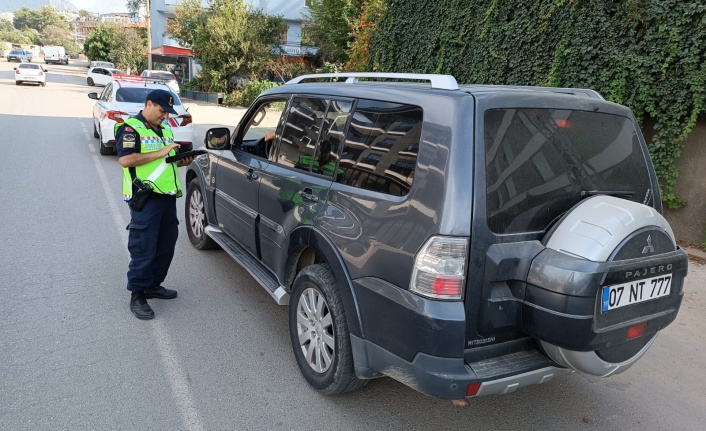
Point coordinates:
[(101, 6)]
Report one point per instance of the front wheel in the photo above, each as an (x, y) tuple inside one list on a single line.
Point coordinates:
[(196, 218), (319, 332)]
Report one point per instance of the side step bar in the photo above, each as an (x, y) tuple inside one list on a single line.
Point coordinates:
[(255, 268)]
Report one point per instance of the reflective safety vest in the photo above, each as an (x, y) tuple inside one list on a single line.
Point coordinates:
[(326, 169), (159, 174)]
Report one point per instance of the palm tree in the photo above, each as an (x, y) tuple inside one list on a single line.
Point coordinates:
[(134, 7)]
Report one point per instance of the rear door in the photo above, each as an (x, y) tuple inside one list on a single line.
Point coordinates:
[(295, 185), (535, 159)]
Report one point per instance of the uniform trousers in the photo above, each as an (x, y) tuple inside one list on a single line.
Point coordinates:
[(153, 235)]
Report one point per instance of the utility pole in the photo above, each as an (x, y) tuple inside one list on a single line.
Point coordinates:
[(149, 34)]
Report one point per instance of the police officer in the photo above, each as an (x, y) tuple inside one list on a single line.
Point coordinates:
[(144, 141)]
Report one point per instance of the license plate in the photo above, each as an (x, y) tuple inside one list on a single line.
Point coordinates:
[(634, 292)]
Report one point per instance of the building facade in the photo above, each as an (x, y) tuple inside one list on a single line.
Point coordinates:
[(168, 54)]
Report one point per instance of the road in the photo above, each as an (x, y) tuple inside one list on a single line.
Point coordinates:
[(73, 357)]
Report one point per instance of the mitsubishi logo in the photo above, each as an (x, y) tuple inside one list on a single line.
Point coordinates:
[(649, 248)]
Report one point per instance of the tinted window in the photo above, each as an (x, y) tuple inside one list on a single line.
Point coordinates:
[(137, 95), (381, 146), (28, 66), (301, 132), (541, 162), (326, 157)]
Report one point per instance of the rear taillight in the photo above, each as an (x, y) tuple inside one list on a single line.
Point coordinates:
[(17, 72), (184, 120), (41, 73), (116, 116), (440, 268)]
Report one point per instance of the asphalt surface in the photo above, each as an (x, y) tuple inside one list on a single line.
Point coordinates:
[(73, 357)]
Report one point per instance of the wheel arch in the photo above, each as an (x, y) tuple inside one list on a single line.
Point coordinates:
[(310, 246)]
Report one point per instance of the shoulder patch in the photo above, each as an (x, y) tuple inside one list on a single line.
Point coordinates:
[(129, 140), (129, 129)]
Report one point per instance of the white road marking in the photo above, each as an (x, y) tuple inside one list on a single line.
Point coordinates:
[(181, 392)]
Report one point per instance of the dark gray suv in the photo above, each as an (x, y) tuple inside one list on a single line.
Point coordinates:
[(465, 240)]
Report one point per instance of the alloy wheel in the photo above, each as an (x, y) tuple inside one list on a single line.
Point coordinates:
[(315, 330), (197, 217)]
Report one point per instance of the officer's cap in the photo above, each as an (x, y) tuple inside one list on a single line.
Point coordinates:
[(163, 98)]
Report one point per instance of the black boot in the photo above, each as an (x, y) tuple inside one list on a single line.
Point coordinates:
[(159, 292), (139, 306)]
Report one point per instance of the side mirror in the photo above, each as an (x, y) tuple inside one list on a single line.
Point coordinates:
[(217, 138), (14, 68), (93, 96)]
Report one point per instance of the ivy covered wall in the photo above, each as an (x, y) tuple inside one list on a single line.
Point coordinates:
[(647, 54)]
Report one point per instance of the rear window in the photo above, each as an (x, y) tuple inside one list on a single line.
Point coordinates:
[(164, 75), (28, 66), (541, 162), (137, 95)]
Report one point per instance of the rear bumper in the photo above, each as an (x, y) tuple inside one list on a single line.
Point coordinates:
[(449, 378), (420, 342)]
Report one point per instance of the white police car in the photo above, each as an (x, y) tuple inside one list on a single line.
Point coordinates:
[(124, 97)]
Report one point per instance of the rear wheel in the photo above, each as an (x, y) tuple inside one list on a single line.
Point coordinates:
[(90, 82), (44, 84), (319, 332), (18, 82), (103, 149), (196, 218), (95, 132)]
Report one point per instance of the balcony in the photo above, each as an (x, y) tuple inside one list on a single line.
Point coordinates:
[(295, 49)]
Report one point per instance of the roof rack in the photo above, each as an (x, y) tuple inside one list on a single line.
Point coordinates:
[(443, 82)]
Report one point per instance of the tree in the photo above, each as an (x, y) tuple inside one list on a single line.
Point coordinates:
[(331, 26), (133, 6), (129, 49), (99, 43), (229, 37), (38, 20), (363, 33), (55, 35)]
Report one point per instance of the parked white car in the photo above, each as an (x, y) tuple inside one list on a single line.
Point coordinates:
[(163, 75), (30, 72), (101, 75), (125, 97)]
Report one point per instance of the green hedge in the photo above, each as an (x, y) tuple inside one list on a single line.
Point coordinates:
[(246, 95), (647, 54)]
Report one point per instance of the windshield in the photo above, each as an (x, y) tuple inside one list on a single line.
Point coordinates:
[(164, 75), (541, 162), (137, 95)]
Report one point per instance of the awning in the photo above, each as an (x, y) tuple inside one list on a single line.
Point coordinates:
[(172, 51)]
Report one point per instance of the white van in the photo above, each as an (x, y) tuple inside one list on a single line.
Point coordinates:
[(55, 54)]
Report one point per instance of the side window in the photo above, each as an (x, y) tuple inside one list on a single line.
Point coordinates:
[(106, 92), (381, 146), (326, 156), (266, 118), (301, 132)]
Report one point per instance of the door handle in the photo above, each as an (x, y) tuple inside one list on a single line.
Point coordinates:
[(251, 175), (308, 194)]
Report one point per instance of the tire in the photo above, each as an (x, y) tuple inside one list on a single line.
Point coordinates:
[(103, 149), (44, 84), (195, 216), (319, 332), (95, 131), (90, 82), (18, 82)]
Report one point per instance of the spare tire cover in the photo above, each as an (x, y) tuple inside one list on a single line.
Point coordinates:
[(601, 229)]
